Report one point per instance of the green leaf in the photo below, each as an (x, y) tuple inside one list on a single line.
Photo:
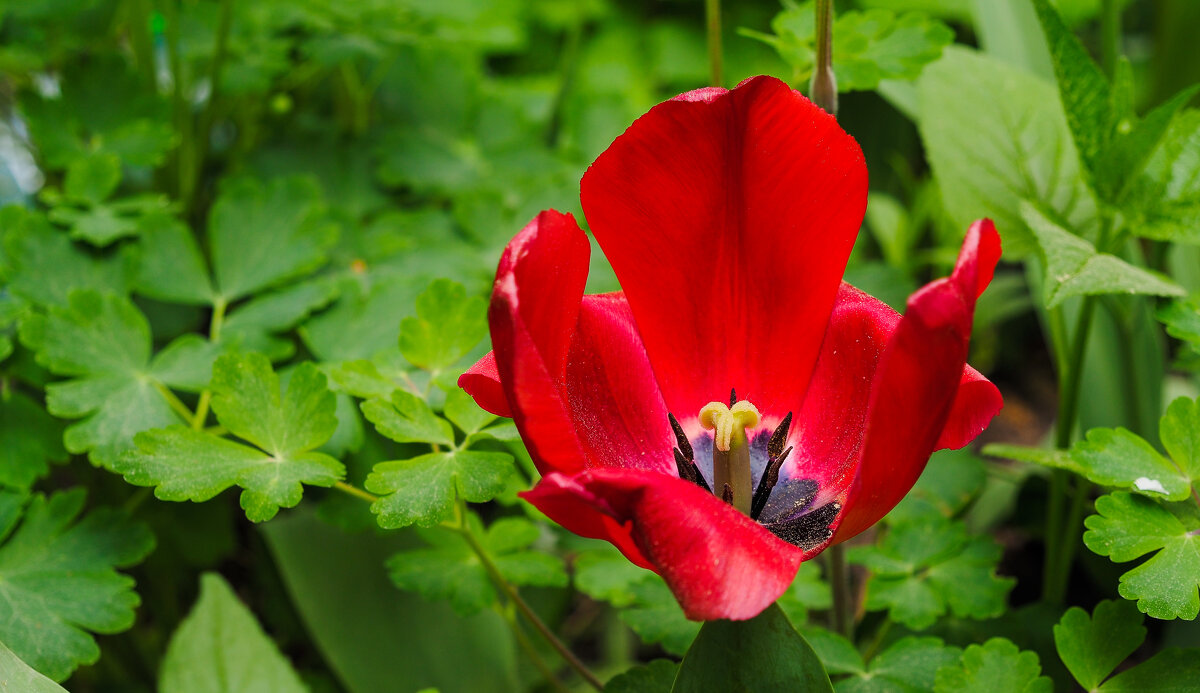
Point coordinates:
[(43, 266), (1163, 200), (221, 648), (171, 266), (406, 418), (868, 46), (995, 666), (909, 664), (1182, 319), (837, 654), (286, 427), (447, 326), (950, 480), (605, 574), (102, 342), (654, 677), (929, 565), (90, 180), (1085, 92), (1127, 526), (761, 654), (99, 226), (451, 570), (29, 440), (1173, 669), (657, 618), (254, 325), (1075, 268), (422, 490), (462, 410), (1092, 647), (16, 675), (261, 236), (1119, 458), (58, 580), (988, 154)]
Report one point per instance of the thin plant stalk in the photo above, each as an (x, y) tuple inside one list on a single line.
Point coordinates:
[(823, 89), (712, 16)]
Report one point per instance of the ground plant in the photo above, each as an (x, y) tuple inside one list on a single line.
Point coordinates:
[(599, 345)]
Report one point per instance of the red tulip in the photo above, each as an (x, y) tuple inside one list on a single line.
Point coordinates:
[(728, 217)]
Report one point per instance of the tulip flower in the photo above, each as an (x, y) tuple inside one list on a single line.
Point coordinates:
[(737, 408)]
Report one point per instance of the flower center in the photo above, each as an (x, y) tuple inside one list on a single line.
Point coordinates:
[(731, 450)]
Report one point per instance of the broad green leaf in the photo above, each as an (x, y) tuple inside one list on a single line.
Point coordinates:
[(995, 666), (1085, 92), (16, 675), (450, 570), (286, 426), (1127, 526), (447, 326), (909, 664), (868, 46), (988, 154), (929, 565), (1134, 141), (43, 266), (171, 267), (1163, 200), (654, 677), (29, 441), (101, 342), (58, 580), (768, 652), (221, 648), (1092, 647), (406, 418), (1075, 268), (422, 490), (90, 180), (1173, 669), (261, 236)]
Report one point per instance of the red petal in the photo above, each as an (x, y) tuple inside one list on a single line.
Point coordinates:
[(916, 384), (976, 402), (572, 367), (482, 382), (717, 561), (728, 218)]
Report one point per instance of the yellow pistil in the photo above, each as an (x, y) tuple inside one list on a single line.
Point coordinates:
[(731, 450)]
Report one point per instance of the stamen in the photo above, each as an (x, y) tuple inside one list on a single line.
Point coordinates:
[(732, 397), (727, 494), (779, 437), (685, 446), (731, 450), (769, 478), (684, 466)]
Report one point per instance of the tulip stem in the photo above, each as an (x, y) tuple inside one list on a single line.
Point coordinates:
[(839, 580), (506, 612), (823, 90), (1110, 36), (510, 592), (712, 15)]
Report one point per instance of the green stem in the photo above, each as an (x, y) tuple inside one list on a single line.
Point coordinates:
[(839, 580), (180, 110), (1110, 36), (173, 401), (208, 116), (140, 39), (530, 651), (566, 76), (877, 641), (510, 592), (214, 335), (823, 89), (712, 15), (1068, 542), (356, 492)]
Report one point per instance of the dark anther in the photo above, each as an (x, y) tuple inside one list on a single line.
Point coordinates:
[(687, 471), (732, 397), (779, 437), (727, 494), (807, 531), (680, 439), (770, 477)]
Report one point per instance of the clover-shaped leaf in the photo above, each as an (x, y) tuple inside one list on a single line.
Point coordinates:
[(102, 343), (43, 266), (997, 666), (221, 648), (29, 440), (1128, 526), (422, 490), (929, 565), (285, 429), (447, 326), (406, 418), (58, 578), (909, 664), (449, 569), (1093, 646)]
